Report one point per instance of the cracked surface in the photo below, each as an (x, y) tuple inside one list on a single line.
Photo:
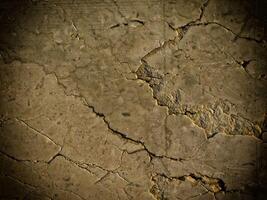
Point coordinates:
[(118, 99)]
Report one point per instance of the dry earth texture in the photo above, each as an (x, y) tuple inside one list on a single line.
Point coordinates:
[(132, 99)]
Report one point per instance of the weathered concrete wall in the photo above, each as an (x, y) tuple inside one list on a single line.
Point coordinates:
[(124, 99)]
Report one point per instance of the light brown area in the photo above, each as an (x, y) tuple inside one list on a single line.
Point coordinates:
[(117, 99)]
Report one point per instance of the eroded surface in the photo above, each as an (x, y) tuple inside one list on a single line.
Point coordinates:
[(120, 99)]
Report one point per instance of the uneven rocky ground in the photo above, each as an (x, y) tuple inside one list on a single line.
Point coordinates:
[(132, 99)]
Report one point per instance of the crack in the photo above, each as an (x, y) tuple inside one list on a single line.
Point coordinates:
[(237, 36), (137, 21), (28, 160), (102, 178), (155, 79), (146, 74), (16, 159), (99, 114), (162, 46), (43, 67), (124, 136), (129, 22), (43, 135), (197, 22), (203, 8), (242, 27), (243, 63), (124, 149), (118, 10), (36, 131), (114, 26), (124, 179), (135, 151), (209, 136), (83, 166), (210, 184), (112, 172), (194, 22), (181, 30), (86, 166)]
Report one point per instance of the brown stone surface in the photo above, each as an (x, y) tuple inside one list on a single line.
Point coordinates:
[(141, 100)]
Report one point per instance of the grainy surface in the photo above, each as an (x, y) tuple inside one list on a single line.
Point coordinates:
[(124, 99)]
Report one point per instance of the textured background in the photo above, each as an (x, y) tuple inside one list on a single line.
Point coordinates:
[(133, 99)]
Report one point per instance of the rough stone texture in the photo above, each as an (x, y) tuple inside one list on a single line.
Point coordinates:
[(118, 99)]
